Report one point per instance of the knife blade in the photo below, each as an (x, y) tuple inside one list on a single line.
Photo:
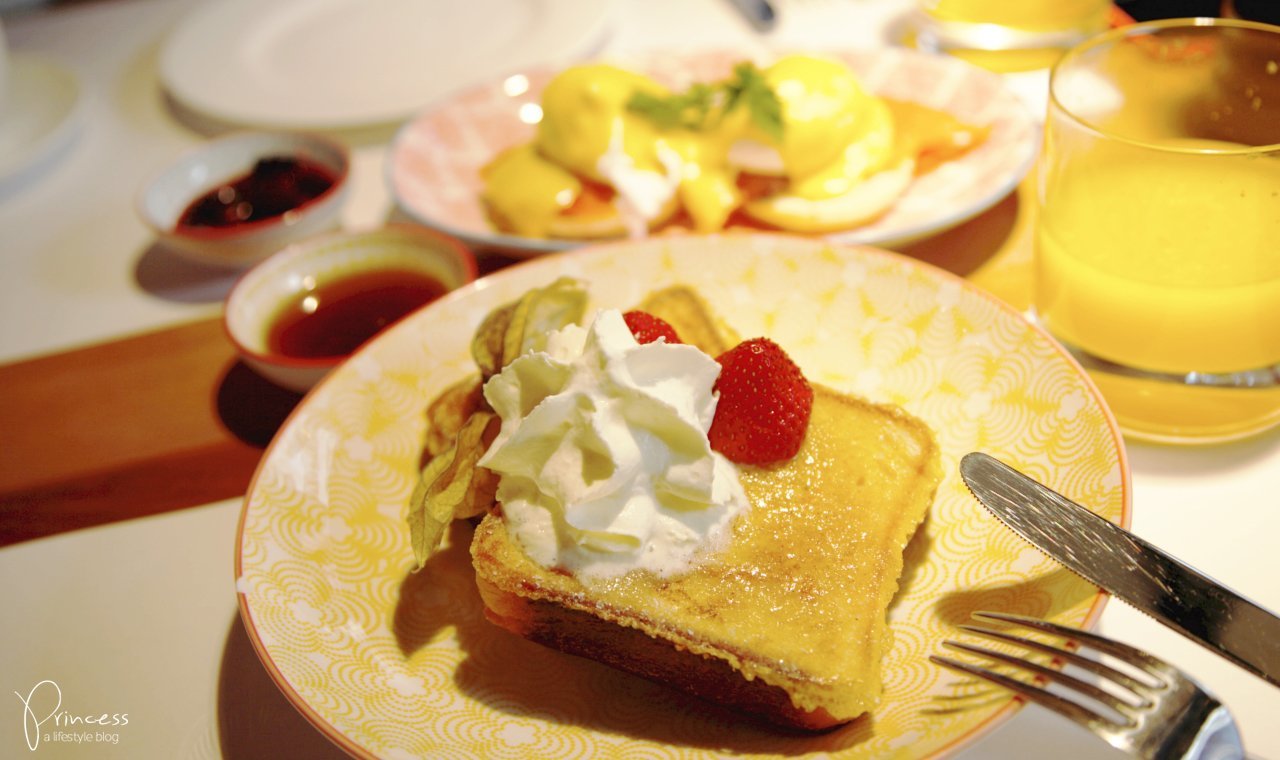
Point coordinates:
[(1128, 567)]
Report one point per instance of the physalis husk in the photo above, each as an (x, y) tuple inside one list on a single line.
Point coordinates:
[(452, 487)]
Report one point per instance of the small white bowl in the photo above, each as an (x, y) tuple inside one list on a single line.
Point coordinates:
[(162, 201), (266, 292)]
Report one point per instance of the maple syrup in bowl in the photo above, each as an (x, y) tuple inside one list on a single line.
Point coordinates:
[(300, 313)]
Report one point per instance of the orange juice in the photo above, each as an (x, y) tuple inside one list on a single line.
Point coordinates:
[(1158, 245), (1167, 262), (1164, 261)]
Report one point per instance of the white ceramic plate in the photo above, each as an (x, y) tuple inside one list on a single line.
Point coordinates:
[(347, 63), (395, 665), (41, 117), (435, 161)]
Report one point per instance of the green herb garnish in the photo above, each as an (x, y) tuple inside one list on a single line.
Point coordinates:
[(694, 108), (749, 87), (689, 109)]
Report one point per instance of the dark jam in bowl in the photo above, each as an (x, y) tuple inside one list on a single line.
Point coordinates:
[(335, 318), (274, 186)]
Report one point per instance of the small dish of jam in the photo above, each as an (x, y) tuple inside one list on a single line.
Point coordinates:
[(303, 311), (237, 199), (276, 186)]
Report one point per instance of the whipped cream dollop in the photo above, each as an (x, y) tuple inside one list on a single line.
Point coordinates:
[(603, 456)]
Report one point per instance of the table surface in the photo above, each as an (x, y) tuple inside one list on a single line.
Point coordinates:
[(130, 431)]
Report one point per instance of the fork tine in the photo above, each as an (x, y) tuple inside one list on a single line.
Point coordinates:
[(1133, 656), (1140, 689), (1065, 707), (1178, 714), (1057, 676)]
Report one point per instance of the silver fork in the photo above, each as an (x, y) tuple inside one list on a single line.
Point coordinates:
[(1157, 712)]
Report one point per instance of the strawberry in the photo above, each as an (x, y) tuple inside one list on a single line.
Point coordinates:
[(648, 328), (764, 404)]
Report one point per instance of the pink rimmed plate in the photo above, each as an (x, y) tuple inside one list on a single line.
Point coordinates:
[(393, 664), (434, 165)]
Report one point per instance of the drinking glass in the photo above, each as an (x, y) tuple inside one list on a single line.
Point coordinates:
[(1158, 241), (1008, 36)]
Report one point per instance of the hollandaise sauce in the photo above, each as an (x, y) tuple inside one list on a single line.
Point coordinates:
[(598, 167)]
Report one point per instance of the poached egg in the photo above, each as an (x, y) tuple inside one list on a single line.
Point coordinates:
[(599, 168)]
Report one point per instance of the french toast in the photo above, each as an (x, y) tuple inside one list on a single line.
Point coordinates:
[(788, 621)]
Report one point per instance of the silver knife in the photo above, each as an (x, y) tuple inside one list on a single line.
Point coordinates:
[(1131, 569)]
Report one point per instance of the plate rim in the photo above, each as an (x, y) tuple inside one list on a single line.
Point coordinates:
[(586, 37), (991, 723), (57, 134)]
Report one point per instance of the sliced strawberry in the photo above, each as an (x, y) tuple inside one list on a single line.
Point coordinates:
[(648, 328), (764, 404)]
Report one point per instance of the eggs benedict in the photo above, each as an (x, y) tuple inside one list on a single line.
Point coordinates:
[(593, 170), (799, 146), (834, 165)]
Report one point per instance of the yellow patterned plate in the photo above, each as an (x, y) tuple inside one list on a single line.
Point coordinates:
[(394, 665)]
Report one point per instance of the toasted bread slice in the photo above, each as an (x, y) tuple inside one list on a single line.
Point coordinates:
[(789, 621), (691, 318)]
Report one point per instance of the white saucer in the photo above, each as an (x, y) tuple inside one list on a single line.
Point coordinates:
[(332, 64), (41, 117)]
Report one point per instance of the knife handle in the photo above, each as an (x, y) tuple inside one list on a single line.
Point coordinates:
[(759, 13)]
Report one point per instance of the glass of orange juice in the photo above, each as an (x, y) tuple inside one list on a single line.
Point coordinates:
[(1008, 36), (1158, 242)]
